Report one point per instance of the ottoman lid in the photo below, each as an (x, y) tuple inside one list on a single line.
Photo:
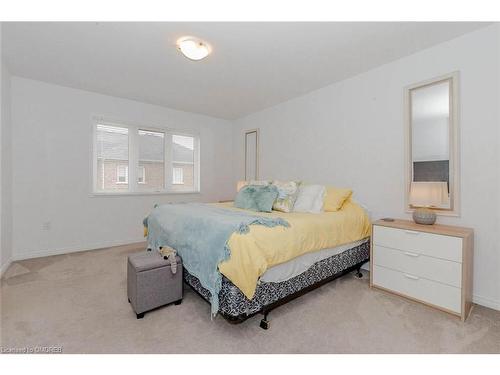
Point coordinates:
[(148, 260)]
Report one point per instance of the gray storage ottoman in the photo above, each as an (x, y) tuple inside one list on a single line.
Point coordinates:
[(151, 283)]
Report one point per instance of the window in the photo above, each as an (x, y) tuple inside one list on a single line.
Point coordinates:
[(151, 159), (122, 174), (138, 159), (178, 178), (112, 156), (183, 162), (141, 175)]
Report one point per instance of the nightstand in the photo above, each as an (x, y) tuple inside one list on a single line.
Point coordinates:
[(431, 264)]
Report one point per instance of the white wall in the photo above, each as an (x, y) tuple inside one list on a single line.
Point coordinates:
[(5, 168), (352, 134), (51, 168)]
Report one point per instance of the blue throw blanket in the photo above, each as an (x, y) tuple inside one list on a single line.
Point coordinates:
[(200, 234)]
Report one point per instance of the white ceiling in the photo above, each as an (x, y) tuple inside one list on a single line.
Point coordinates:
[(252, 65)]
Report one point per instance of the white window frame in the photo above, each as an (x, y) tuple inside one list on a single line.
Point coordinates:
[(118, 174), (133, 162)]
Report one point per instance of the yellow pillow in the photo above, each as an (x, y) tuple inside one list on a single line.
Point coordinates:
[(335, 198)]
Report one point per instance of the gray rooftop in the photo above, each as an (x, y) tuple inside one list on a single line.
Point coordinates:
[(114, 145)]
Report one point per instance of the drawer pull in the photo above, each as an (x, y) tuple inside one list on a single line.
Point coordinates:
[(411, 276), (412, 232), (411, 254)]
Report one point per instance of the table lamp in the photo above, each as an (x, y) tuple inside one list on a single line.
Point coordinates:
[(424, 195)]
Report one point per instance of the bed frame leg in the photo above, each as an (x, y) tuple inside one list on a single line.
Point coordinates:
[(264, 323), (359, 275)]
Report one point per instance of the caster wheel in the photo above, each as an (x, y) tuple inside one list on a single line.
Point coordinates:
[(140, 316), (359, 275), (264, 324), (178, 302)]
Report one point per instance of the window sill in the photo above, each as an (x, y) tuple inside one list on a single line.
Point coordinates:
[(139, 193)]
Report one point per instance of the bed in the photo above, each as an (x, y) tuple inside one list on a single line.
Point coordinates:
[(236, 308), (269, 266)]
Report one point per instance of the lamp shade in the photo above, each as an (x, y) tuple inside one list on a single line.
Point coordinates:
[(428, 194)]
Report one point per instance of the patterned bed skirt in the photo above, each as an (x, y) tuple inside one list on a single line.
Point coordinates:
[(234, 305)]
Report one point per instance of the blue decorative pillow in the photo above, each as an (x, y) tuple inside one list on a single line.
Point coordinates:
[(256, 198)]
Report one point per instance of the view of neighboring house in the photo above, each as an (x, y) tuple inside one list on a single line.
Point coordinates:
[(182, 163), (113, 160)]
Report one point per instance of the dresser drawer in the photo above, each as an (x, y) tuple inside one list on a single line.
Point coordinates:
[(432, 292), (440, 270), (434, 245)]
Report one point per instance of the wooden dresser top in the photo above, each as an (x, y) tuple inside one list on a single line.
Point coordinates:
[(447, 230)]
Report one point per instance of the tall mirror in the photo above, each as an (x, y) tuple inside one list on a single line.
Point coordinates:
[(432, 149), (252, 154)]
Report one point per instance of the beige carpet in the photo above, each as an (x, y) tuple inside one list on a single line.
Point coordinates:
[(79, 302)]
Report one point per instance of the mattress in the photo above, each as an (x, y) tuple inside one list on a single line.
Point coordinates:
[(294, 267), (261, 248), (234, 305)]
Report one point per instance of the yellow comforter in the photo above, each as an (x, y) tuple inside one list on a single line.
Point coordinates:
[(263, 247)]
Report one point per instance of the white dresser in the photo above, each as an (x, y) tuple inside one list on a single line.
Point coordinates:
[(431, 264)]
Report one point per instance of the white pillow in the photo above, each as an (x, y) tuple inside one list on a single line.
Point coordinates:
[(310, 199)]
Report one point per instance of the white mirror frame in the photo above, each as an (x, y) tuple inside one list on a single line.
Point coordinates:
[(247, 133), (454, 172)]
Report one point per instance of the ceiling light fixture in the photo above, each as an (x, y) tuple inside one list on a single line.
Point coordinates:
[(193, 48)]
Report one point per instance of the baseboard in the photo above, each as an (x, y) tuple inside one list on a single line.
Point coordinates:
[(76, 249), (5, 267), (487, 302)]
